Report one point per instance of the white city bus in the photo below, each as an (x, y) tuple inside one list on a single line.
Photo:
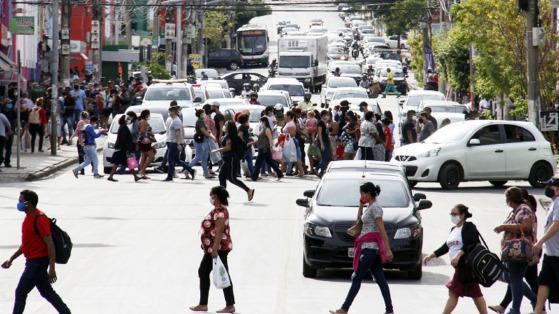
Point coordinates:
[(253, 44)]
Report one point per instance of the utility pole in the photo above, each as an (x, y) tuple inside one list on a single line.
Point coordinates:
[(128, 26), (65, 60), (18, 111), (179, 40), (54, 76), (96, 27), (201, 50), (532, 52)]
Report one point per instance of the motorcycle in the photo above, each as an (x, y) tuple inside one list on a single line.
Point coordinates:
[(272, 71)]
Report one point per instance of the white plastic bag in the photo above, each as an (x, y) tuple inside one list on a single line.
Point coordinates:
[(220, 274), (188, 153), (290, 150), (215, 157)]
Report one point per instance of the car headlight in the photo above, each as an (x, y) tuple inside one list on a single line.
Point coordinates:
[(111, 145), (430, 153), (319, 231), (159, 145), (407, 232)]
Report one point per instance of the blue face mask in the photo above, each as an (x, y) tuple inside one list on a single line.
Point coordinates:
[(21, 206), (9, 106)]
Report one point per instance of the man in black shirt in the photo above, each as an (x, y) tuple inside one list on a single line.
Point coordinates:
[(409, 132), (428, 111), (219, 120)]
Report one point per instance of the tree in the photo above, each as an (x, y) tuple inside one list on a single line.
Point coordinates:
[(214, 28), (256, 8), (452, 54), (157, 66), (406, 15)]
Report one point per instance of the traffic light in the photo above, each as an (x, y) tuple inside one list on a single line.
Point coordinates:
[(523, 5)]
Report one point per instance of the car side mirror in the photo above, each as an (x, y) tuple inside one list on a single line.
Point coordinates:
[(197, 99), (474, 142), (309, 193), (419, 196), (424, 204), (303, 202)]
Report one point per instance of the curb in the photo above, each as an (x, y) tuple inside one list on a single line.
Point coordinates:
[(47, 171)]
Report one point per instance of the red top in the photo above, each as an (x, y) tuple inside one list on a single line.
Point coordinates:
[(43, 116), (389, 146), (32, 245), (207, 230)]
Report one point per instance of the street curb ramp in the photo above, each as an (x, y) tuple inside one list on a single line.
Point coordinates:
[(52, 169)]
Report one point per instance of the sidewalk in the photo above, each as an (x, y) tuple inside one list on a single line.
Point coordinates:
[(40, 165)]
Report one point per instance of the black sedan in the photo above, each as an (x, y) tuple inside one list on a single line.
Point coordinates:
[(332, 209), (237, 79), (225, 58)]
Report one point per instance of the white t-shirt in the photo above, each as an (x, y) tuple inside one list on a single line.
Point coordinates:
[(172, 126), (551, 246), (454, 242)]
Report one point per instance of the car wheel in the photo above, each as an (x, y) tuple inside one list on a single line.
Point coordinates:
[(450, 176), (498, 184), (308, 270), (107, 170), (541, 172), (233, 66), (412, 184), (416, 273)]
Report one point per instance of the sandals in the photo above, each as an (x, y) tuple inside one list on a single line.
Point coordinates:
[(497, 309), (250, 195)]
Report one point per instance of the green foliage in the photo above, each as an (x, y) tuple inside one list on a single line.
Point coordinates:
[(215, 23), (156, 66), (405, 15), (243, 17), (416, 48), (452, 54), (520, 108)]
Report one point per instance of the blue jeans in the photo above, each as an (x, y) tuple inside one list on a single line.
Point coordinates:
[(325, 157), (66, 121), (250, 163), (35, 275), (515, 278), (90, 152), (265, 157), (202, 155), (369, 261), (173, 159)]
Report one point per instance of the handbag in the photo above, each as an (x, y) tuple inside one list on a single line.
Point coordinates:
[(131, 162), (355, 230), (518, 250)]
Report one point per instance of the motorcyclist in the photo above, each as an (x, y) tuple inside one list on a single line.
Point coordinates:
[(306, 104), (337, 72), (255, 87), (278, 113), (246, 90), (370, 70), (365, 83), (254, 99), (272, 68)]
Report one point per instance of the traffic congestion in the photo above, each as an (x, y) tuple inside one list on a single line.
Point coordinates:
[(321, 153)]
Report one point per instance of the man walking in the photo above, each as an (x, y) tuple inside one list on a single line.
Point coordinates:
[(38, 248), (5, 128), (174, 140), (90, 148)]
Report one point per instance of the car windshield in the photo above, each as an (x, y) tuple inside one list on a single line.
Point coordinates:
[(342, 83), (215, 93), (452, 109), (294, 61), (350, 68), (167, 93), (271, 100), (350, 94), (200, 93), (293, 90), (252, 42), (157, 126), (188, 118), (415, 100), (448, 134), (345, 193), (255, 114), (396, 73)]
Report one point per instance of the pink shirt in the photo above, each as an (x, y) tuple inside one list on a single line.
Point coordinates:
[(311, 124), (79, 132), (289, 127)]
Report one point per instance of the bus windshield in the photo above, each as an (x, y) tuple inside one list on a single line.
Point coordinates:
[(252, 42)]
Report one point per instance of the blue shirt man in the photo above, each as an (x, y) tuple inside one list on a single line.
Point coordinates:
[(79, 96)]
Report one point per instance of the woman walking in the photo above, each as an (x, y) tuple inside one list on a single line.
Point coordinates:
[(216, 243), (372, 248), (518, 224), (37, 123), (245, 135), (463, 236), (323, 142), (368, 139), (349, 138), (202, 138), (124, 147), (230, 148), (146, 138), (290, 130), (265, 146)]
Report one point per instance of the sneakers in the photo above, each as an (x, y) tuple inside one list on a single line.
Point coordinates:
[(98, 176), (75, 172)]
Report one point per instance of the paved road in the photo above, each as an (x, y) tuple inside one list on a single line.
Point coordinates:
[(137, 244)]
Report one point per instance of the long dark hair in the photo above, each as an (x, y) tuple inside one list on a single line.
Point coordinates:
[(233, 135), (266, 122), (463, 210)]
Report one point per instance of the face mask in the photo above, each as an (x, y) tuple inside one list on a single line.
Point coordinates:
[(364, 199), (21, 206), (549, 192), (455, 219), (9, 106)]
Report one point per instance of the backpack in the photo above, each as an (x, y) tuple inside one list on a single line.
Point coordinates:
[(34, 117), (486, 266), (62, 242)]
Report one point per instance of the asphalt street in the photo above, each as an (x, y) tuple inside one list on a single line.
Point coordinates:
[(137, 244)]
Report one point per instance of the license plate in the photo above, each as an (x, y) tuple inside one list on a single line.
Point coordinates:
[(351, 252)]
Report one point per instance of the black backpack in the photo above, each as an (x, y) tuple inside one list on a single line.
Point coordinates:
[(486, 266), (62, 242)]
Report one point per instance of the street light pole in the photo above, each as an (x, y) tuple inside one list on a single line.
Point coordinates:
[(532, 53), (179, 41), (54, 76)]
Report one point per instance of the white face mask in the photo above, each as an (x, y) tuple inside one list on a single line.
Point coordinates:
[(455, 219)]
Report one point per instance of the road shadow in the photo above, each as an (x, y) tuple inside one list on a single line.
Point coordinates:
[(475, 189)]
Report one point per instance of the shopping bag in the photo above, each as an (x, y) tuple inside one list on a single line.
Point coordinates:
[(290, 150), (277, 153), (188, 153), (215, 157), (131, 162), (220, 274)]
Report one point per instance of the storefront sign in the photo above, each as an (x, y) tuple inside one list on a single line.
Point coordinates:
[(22, 25), (549, 121)]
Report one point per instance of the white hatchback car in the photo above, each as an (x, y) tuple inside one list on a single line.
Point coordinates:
[(479, 150), (158, 127)]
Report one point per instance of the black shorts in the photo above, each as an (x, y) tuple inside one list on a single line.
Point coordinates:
[(549, 275)]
